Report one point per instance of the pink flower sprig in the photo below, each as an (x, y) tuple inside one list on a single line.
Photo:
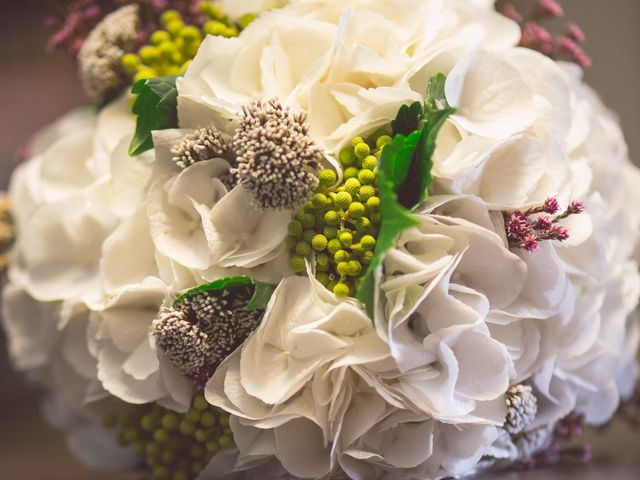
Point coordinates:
[(562, 446), (75, 19), (567, 47), (527, 229)]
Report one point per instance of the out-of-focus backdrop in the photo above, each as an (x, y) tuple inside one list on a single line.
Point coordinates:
[(36, 87)]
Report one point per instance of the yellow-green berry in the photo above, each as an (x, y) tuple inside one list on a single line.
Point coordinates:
[(319, 242), (308, 235), (342, 268), (308, 220), (356, 210), (323, 278), (190, 34), (343, 200), (362, 150), (295, 228), (373, 203), (356, 141), (352, 186), (327, 177), (370, 162), (346, 239), (375, 218), (330, 232), (354, 268), (322, 260), (130, 62), (149, 54), (341, 256), (341, 290), (368, 242), (303, 249), (347, 157), (174, 26), (246, 20), (290, 241), (333, 246), (366, 192), (351, 172), (297, 264), (383, 140), (320, 200), (367, 257), (366, 177), (332, 218)]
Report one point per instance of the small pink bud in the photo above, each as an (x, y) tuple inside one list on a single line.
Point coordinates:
[(576, 207), (548, 8), (534, 35), (543, 224), (575, 33), (510, 11), (570, 50), (517, 226), (551, 206), (530, 244)]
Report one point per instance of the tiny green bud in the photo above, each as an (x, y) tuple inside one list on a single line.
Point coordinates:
[(161, 436), (200, 403), (346, 239), (303, 249), (174, 27), (341, 290), (190, 34), (159, 36), (343, 200), (347, 157), (352, 186), (170, 15), (319, 242), (225, 441), (130, 62), (170, 421), (332, 218), (330, 232), (366, 177), (295, 228), (297, 264), (200, 436), (208, 420), (308, 235), (373, 203), (370, 162), (309, 207), (366, 192), (308, 220), (187, 428), (322, 260), (320, 200), (367, 257), (212, 447), (351, 172), (328, 177), (356, 210), (375, 218), (354, 268), (363, 224), (368, 242), (342, 268), (215, 27), (362, 150), (323, 278), (356, 141), (246, 20), (341, 256), (333, 246), (149, 54), (161, 473), (383, 140)]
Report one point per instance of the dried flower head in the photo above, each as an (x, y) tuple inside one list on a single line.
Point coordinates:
[(99, 57), (278, 162), (522, 407), (203, 144), (204, 329)]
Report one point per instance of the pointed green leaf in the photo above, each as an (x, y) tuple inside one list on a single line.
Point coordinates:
[(408, 119), (156, 106), (261, 296), (435, 98)]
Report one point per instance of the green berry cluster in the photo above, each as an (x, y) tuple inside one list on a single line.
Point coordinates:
[(339, 225), (174, 446), (171, 49)]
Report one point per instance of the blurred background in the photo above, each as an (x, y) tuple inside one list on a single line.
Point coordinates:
[(37, 86)]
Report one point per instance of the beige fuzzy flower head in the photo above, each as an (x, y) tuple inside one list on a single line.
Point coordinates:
[(278, 162), (7, 230), (99, 58)]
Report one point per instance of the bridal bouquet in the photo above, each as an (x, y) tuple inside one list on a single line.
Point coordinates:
[(324, 239)]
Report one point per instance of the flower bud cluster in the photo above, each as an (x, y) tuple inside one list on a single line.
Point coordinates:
[(340, 224), (172, 47), (7, 230), (170, 445), (567, 47), (527, 229)]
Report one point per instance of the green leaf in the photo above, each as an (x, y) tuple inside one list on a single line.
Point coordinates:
[(258, 301), (261, 296), (394, 217), (435, 98), (413, 190), (156, 106), (408, 119)]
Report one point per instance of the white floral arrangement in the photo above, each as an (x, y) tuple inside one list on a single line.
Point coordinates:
[(324, 239)]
